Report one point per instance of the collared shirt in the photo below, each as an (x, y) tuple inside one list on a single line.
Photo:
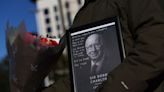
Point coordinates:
[(99, 64)]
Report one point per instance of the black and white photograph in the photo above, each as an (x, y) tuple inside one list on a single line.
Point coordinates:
[(94, 52)]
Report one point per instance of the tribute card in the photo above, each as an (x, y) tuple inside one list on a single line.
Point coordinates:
[(94, 51)]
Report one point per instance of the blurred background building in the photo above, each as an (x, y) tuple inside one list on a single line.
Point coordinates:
[(55, 16)]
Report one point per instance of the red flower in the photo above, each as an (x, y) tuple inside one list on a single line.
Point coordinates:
[(47, 42)]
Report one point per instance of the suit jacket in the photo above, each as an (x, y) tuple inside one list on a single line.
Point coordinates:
[(108, 64), (142, 24)]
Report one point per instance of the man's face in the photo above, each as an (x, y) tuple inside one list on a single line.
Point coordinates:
[(93, 46)]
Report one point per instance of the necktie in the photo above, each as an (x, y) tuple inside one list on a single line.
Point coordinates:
[(94, 69)]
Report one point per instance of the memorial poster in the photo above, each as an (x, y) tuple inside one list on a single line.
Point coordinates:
[(94, 51)]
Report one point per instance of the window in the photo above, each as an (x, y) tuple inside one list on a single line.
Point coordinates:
[(58, 27), (55, 8), (49, 30), (47, 20), (57, 18), (67, 4), (69, 18), (46, 11)]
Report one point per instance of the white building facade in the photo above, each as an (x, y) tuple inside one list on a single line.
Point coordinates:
[(55, 16)]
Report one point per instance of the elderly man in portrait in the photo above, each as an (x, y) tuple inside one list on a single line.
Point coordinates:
[(99, 57)]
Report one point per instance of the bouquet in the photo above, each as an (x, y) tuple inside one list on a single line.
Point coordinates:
[(31, 58)]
